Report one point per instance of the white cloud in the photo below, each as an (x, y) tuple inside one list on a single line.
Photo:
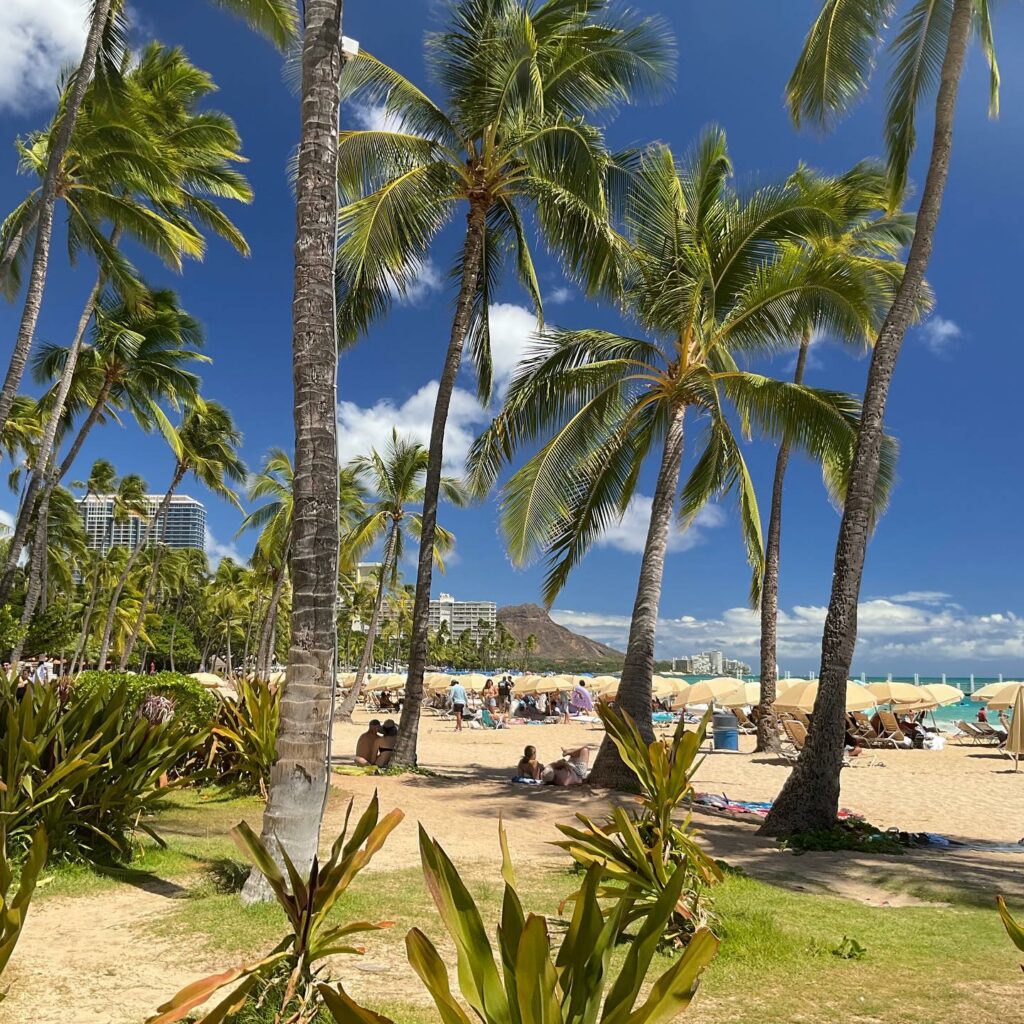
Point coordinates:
[(215, 550), (560, 296), (361, 428), (630, 533), (6, 522), (940, 334), (922, 597), (513, 331), (892, 636), (37, 38), (374, 118), (425, 279)]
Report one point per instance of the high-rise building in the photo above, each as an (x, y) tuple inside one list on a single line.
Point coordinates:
[(183, 526), (462, 615)]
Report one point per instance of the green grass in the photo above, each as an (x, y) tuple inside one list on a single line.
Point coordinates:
[(776, 964)]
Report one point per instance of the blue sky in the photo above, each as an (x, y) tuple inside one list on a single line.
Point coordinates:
[(942, 587)]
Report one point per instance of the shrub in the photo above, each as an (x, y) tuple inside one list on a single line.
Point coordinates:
[(246, 736), (639, 851), (289, 973), (848, 834), (13, 909), (531, 982), (194, 705), (90, 768)]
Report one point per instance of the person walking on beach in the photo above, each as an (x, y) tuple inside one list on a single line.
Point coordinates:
[(457, 701), (582, 703)]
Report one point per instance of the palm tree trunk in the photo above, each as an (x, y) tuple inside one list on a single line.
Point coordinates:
[(265, 650), (408, 730), (83, 431), (35, 577), (810, 798), (11, 252), (767, 733), (83, 638), (634, 693), (348, 705), (227, 634), (299, 779), (108, 624), (249, 628), (42, 459), (140, 619), (44, 232), (174, 629)]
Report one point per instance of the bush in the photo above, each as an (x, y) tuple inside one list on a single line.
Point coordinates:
[(638, 852), (848, 834), (531, 982), (89, 768), (246, 736), (194, 705)]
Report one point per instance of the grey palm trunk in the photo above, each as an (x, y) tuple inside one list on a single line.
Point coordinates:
[(634, 693), (299, 779), (133, 558), (810, 798), (265, 648), (147, 596), (348, 705), (408, 729), (47, 198), (767, 734)]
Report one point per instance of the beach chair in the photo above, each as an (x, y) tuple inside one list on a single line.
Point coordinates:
[(979, 734), (488, 721), (890, 732), (745, 724)]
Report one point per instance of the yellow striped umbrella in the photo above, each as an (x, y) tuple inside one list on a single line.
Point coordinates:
[(600, 685), (745, 694), (666, 686), (436, 682), (1015, 737)]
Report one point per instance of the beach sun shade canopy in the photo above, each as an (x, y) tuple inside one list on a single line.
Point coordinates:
[(746, 694), (802, 696), (206, 678), (998, 695), (895, 693), (1015, 737), (601, 685), (936, 695), (712, 691), (664, 687)]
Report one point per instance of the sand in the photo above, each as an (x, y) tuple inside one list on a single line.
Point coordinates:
[(96, 960)]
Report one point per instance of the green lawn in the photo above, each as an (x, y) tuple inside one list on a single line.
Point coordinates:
[(777, 961)]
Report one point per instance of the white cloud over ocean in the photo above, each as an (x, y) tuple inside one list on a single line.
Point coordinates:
[(940, 335), (895, 635), (37, 39)]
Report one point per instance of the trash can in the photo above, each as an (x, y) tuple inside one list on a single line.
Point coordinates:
[(725, 731)]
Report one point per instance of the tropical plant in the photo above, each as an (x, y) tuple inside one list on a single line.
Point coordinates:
[(396, 478), (834, 69), (711, 276), (14, 907), (195, 707), (532, 982), (288, 975), (206, 445), (871, 239), (1013, 928), (641, 850), (89, 769), (508, 145), (246, 735), (104, 50)]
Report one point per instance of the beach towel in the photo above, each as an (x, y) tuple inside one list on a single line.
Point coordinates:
[(525, 780)]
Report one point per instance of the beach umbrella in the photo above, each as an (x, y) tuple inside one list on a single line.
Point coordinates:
[(1015, 737), (936, 695), (387, 681), (471, 680), (206, 678), (601, 685), (528, 684), (435, 682), (745, 694), (802, 696), (894, 693), (711, 691), (346, 679), (666, 686), (999, 695)]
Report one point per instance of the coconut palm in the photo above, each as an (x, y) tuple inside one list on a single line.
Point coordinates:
[(872, 240), (156, 187), (834, 70), (206, 445), (711, 276), (396, 478), (508, 144), (104, 43)]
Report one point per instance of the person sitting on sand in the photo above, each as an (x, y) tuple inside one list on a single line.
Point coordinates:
[(529, 767), (386, 743), (572, 769), (366, 745)]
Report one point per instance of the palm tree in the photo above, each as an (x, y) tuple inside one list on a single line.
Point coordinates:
[(872, 240), (396, 478), (511, 144), (104, 43), (298, 783), (206, 445), (158, 191), (833, 70), (711, 276)]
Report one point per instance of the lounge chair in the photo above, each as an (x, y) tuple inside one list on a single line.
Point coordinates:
[(487, 721), (796, 735), (890, 732), (745, 724), (978, 734)]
